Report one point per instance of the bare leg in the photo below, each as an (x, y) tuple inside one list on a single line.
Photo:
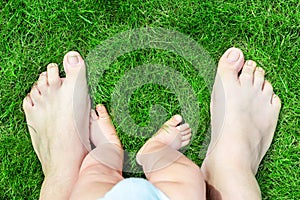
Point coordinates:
[(49, 109), (102, 167), (244, 113), (168, 169)]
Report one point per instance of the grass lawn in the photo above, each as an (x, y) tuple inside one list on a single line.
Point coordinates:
[(34, 33)]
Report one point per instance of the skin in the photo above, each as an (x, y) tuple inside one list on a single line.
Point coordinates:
[(59, 139), (61, 127), (166, 168), (99, 174), (102, 167), (244, 112)]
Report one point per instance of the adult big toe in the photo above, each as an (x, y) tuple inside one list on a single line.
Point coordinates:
[(73, 63), (231, 63)]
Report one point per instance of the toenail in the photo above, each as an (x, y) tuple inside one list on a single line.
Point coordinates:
[(73, 59), (233, 55), (250, 63), (52, 65), (260, 69)]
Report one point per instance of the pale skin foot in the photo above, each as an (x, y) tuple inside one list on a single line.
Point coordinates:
[(102, 167), (244, 113), (54, 129), (167, 168), (172, 134)]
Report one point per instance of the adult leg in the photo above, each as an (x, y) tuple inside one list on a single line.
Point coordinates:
[(168, 169), (244, 113), (50, 108)]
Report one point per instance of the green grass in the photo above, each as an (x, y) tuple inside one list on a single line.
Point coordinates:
[(35, 33)]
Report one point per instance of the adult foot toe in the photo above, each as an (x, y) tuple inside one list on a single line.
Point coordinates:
[(247, 74), (268, 90), (53, 75), (73, 64), (259, 78), (35, 95), (27, 103), (42, 83), (276, 102), (231, 63)]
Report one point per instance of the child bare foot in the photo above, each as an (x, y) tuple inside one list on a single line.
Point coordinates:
[(109, 150), (244, 113), (102, 128), (172, 134), (171, 137), (50, 109), (102, 167), (167, 168)]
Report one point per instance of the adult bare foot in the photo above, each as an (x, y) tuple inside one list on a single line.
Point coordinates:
[(59, 136), (244, 113), (102, 167)]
